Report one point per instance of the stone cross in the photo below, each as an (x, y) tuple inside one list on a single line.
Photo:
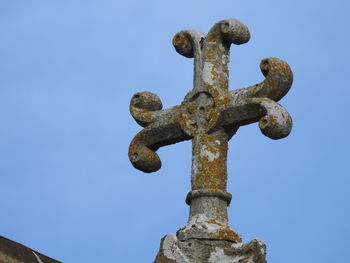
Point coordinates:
[(210, 115)]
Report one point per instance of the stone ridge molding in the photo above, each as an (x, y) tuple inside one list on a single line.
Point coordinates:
[(13, 252), (210, 115)]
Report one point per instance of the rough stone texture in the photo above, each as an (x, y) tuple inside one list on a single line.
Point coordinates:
[(173, 250), (13, 252), (210, 115)]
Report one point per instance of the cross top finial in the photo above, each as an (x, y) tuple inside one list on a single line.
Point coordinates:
[(210, 115)]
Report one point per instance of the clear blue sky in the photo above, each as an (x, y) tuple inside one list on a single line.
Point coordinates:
[(67, 72)]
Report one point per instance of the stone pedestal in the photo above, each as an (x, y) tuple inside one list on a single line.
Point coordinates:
[(172, 250)]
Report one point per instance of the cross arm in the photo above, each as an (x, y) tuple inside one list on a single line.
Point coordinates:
[(258, 102), (278, 81), (162, 128), (145, 108)]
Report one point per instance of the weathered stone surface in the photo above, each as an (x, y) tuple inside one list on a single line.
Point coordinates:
[(13, 252), (173, 250), (210, 115), (170, 252)]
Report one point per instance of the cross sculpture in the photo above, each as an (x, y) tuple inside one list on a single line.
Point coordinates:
[(209, 115)]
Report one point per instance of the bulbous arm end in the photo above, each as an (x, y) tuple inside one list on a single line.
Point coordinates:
[(276, 122), (143, 158), (234, 31), (143, 106), (279, 79), (188, 43)]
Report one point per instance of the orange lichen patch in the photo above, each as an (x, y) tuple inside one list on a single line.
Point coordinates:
[(224, 85), (225, 232), (221, 214), (213, 221), (213, 118), (198, 118), (216, 54), (191, 107), (221, 97), (142, 157), (180, 40), (229, 234), (211, 154), (210, 54), (143, 107), (142, 115), (213, 54), (187, 120), (214, 72), (211, 37)]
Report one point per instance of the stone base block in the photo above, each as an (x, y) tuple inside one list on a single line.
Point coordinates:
[(173, 250)]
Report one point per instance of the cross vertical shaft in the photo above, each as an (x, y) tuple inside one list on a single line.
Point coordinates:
[(209, 199)]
